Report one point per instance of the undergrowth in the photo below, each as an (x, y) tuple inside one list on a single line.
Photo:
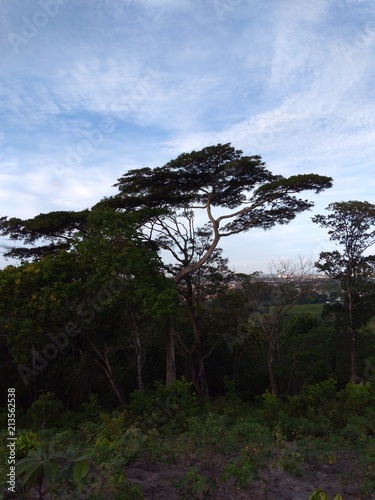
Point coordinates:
[(216, 441)]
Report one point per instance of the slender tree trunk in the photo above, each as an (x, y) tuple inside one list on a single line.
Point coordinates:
[(352, 339), (198, 379), (104, 363), (202, 379), (117, 388), (353, 358), (353, 349), (170, 356), (138, 354), (196, 359), (271, 351)]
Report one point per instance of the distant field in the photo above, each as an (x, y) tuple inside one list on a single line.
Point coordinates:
[(314, 309)]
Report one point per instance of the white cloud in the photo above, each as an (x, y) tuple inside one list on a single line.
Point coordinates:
[(292, 81)]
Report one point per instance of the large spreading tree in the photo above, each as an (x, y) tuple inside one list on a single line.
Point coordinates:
[(215, 178), (235, 192)]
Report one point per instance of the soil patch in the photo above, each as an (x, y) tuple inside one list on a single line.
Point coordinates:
[(160, 480)]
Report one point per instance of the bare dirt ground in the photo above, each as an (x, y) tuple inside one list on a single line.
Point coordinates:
[(159, 481)]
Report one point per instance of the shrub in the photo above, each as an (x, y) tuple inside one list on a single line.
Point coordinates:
[(210, 433), (243, 472), (321, 396), (92, 408), (195, 485), (26, 441), (167, 408), (356, 398), (52, 471), (65, 438), (46, 411), (270, 405), (121, 447), (313, 424)]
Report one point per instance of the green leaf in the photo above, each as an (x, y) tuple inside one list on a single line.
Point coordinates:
[(50, 469), (80, 471), (32, 474), (85, 455), (62, 454)]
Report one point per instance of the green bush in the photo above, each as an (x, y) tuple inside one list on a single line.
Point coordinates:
[(113, 426), (195, 485), (319, 451), (270, 406), (321, 397), (123, 490), (52, 471), (89, 431), (70, 419), (92, 408), (167, 408), (118, 444), (298, 427), (357, 398), (27, 440), (66, 438), (243, 472), (46, 411), (210, 433)]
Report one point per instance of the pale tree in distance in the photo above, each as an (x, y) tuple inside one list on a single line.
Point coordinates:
[(272, 297)]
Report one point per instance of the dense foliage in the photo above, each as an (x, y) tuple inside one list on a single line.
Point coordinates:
[(128, 338)]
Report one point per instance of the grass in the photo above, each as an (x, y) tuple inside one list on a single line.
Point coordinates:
[(314, 309)]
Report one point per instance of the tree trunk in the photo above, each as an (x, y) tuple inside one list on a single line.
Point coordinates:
[(270, 357), (170, 357), (104, 363), (117, 388), (352, 340), (353, 358), (202, 377), (198, 379), (195, 360), (138, 354)]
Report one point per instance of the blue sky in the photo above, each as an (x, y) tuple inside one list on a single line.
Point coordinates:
[(92, 88)]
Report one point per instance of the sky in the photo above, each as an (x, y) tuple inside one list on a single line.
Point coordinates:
[(92, 88)]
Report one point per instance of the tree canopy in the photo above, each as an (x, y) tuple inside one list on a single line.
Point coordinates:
[(217, 177), (351, 225), (157, 209), (55, 230)]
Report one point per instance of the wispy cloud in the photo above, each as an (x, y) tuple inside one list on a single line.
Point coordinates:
[(292, 81)]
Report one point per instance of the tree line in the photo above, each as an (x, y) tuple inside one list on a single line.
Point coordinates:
[(131, 291)]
